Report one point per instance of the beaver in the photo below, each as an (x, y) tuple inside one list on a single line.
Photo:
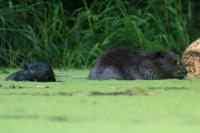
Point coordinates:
[(130, 64), (35, 71)]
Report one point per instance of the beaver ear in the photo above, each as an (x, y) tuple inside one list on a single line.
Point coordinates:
[(159, 54)]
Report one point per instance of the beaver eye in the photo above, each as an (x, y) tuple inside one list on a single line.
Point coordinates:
[(175, 62), (25, 66)]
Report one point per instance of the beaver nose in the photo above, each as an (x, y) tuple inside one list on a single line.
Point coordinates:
[(182, 73)]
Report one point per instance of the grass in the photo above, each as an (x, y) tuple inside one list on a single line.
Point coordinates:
[(72, 34), (75, 104)]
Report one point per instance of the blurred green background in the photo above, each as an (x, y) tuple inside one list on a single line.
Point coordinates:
[(68, 33)]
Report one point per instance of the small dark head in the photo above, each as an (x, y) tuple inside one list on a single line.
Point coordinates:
[(170, 64), (38, 71), (37, 66), (35, 71)]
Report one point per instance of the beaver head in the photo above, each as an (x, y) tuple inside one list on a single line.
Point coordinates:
[(170, 64), (35, 71)]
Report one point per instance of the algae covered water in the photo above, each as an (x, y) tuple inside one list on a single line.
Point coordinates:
[(75, 104)]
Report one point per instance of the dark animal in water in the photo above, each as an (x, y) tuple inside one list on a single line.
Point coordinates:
[(35, 71), (129, 64)]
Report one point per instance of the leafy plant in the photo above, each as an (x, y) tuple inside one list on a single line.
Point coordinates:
[(74, 34)]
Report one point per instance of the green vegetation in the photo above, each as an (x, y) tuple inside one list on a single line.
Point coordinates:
[(81, 106), (72, 34), (69, 34)]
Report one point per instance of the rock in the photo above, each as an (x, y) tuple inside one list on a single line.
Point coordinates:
[(191, 59)]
